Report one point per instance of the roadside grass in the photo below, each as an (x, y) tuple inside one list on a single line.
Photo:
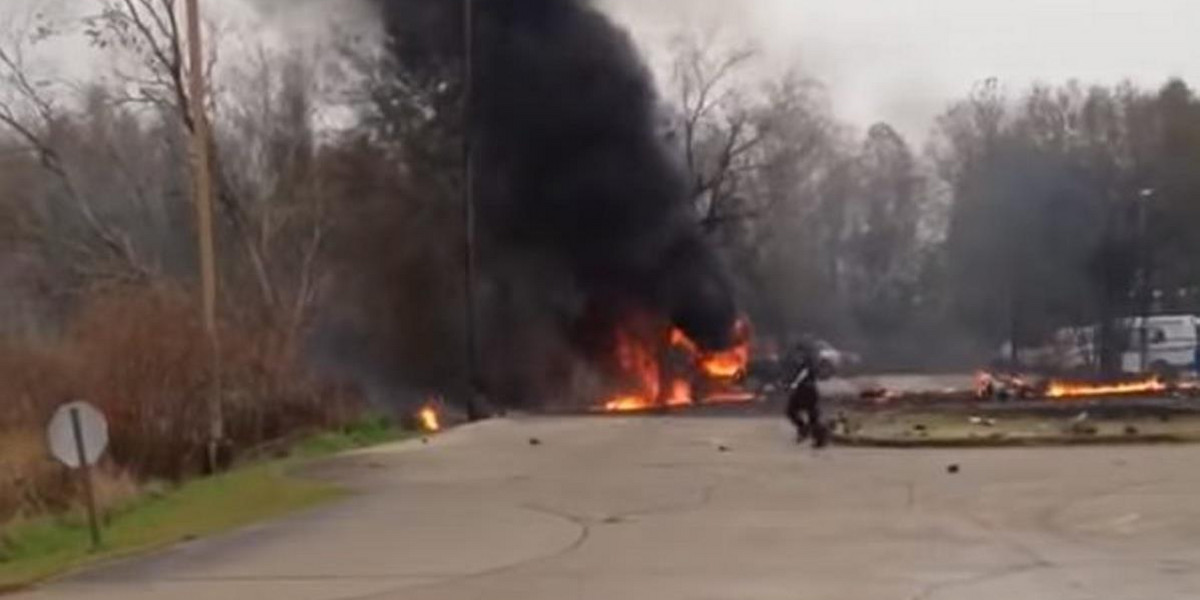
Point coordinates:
[(35, 550), (364, 434)]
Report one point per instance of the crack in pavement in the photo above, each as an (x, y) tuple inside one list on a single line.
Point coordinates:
[(580, 539), (932, 590), (703, 499), (1048, 518)]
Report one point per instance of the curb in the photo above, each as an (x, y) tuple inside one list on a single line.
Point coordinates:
[(1014, 442)]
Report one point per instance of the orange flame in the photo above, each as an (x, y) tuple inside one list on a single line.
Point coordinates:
[(681, 393), (639, 362), (1062, 389), (726, 364), (628, 404), (430, 421)]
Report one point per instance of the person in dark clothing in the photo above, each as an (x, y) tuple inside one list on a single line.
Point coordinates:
[(804, 399)]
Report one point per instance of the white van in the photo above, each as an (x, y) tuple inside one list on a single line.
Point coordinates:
[(1171, 347), (1171, 343)]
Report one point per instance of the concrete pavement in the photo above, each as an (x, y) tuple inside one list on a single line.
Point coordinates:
[(651, 508)]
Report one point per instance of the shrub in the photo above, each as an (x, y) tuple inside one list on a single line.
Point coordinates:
[(141, 355)]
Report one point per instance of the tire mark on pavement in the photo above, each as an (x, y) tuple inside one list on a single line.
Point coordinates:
[(1048, 520), (584, 533)]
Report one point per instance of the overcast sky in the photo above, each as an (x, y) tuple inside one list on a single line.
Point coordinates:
[(902, 60), (897, 60)]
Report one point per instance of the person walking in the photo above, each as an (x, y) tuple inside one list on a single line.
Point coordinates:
[(804, 397)]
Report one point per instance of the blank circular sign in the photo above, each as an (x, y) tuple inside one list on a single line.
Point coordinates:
[(93, 428)]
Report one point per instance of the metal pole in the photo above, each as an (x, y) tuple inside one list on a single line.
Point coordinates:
[(86, 469), (1147, 291), (468, 200), (202, 191)]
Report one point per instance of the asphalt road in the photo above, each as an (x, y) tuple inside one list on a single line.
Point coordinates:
[(653, 509)]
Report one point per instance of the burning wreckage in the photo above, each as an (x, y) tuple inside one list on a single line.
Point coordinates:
[(1001, 386), (592, 213), (673, 371), (595, 283), (591, 257)]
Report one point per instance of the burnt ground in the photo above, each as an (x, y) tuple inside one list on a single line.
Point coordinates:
[(704, 508)]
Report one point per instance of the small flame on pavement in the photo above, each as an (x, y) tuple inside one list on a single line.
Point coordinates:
[(1062, 389), (730, 398), (628, 404), (430, 420)]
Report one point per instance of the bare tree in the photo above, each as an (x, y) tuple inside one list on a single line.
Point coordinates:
[(275, 165), (716, 122), (149, 32), (30, 111)]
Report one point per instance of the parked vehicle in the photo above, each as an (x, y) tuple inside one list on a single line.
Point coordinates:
[(1171, 346), (767, 364), (1165, 345), (832, 361)]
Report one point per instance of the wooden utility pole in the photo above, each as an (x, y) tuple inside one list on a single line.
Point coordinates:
[(202, 195)]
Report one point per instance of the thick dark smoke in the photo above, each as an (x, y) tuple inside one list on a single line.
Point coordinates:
[(572, 164), (584, 213)]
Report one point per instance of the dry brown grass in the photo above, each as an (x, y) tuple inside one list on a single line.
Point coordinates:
[(30, 482), (140, 354)]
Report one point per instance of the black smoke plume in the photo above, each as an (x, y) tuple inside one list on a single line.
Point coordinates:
[(573, 165), (584, 211)]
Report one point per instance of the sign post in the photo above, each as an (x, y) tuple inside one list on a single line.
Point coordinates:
[(78, 436)]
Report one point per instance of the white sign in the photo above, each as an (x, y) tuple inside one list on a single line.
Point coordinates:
[(92, 434)]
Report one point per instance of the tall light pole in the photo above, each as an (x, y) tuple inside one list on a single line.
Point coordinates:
[(1145, 260), (468, 201), (202, 196)]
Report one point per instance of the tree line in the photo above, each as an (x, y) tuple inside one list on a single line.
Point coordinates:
[(1026, 212), (339, 178)]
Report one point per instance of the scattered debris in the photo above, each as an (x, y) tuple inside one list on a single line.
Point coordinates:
[(842, 425), (1084, 428), (878, 393), (1002, 387), (1080, 425)]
